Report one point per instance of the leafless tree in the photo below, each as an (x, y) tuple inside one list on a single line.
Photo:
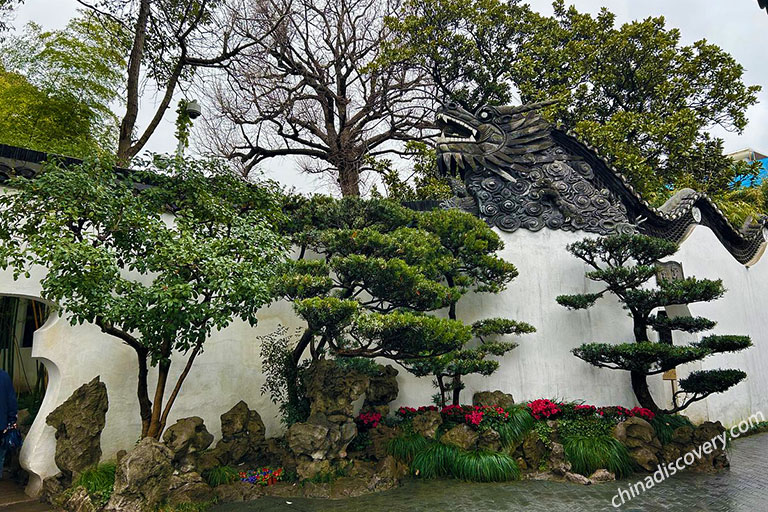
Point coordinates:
[(308, 90), (166, 41)]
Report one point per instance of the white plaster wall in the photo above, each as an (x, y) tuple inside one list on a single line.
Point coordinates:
[(229, 369)]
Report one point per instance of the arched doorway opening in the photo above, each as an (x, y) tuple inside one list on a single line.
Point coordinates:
[(20, 317)]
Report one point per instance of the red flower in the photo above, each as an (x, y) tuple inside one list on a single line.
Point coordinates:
[(474, 418), (544, 408)]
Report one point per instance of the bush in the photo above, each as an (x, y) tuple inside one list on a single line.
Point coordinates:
[(588, 454), (435, 461), (220, 475)]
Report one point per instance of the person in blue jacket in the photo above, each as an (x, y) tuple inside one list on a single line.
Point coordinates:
[(8, 411)]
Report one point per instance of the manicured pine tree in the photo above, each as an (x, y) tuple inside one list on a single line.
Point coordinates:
[(372, 274), (625, 264)]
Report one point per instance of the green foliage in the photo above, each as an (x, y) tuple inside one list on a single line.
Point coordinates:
[(724, 343), (438, 460), (56, 87), (646, 357), (423, 183), (519, 423), (382, 272), (361, 365), (406, 446), (635, 91), (98, 482), (681, 323), (655, 130), (466, 47), (584, 427), (479, 466), (590, 453), (666, 424), (624, 264), (544, 431), (435, 461), (284, 382), (220, 475), (705, 382), (113, 260)]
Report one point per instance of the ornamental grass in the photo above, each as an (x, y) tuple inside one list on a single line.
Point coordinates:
[(588, 454)]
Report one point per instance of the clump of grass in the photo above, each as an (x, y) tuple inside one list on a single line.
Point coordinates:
[(587, 454), (220, 475), (98, 481), (513, 431), (435, 461), (405, 447), (666, 424), (479, 466)]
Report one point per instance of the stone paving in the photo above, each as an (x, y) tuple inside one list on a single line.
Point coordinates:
[(743, 488)]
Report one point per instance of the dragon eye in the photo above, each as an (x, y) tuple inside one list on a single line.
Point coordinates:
[(484, 114)]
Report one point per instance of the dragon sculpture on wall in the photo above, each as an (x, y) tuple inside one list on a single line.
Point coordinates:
[(518, 171)]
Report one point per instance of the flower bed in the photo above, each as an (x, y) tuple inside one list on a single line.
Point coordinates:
[(263, 476)]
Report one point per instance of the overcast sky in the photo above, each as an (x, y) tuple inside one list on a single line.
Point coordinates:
[(738, 26)]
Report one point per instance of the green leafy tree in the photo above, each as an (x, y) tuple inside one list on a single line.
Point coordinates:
[(371, 275), (56, 88), (423, 181), (466, 48), (636, 93), (625, 264), (639, 95), (114, 260)]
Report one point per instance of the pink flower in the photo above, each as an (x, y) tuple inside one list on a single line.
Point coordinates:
[(474, 417)]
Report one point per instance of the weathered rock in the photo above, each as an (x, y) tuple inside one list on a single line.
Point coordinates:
[(311, 440), (78, 501), (382, 389), (380, 438), (242, 439), (309, 468), (640, 439), (238, 491), (142, 478), (187, 436), (332, 390), (602, 475), (427, 423), (533, 449), (557, 463), (188, 488), (490, 440), (576, 478), (682, 435), (686, 439), (645, 457), (503, 400), (52, 488), (78, 423), (461, 436)]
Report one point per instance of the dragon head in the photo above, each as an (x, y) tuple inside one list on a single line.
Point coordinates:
[(494, 138)]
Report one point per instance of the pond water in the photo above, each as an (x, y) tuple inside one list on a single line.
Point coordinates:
[(743, 488)]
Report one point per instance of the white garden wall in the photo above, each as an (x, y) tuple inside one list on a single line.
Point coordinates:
[(230, 370)]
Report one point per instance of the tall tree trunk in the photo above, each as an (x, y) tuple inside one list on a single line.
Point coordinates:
[(639, 379), (145, 406), (157, 407), (128, 122), (349, 179), (642, 393), (456, 389)]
